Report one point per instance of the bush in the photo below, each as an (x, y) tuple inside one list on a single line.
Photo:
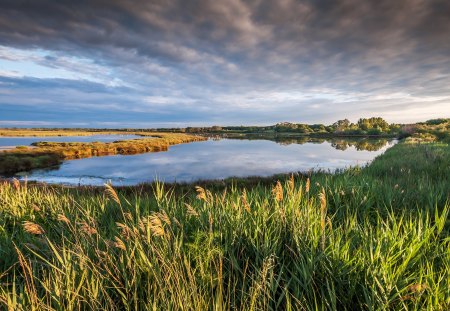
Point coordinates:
[(375, 131), (436, 121)]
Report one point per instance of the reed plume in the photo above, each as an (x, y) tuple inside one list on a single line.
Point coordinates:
[(111, 193), (128, 216), (291, 183), (89, 230), (125, 230), (16, 184), (245, 201), (156, 225), (63, 218), (323, 214), (164, 217), (277, 191), (190, 210), (118, 243), (36, 208), (211, 222), (201, 193), (32, 228)]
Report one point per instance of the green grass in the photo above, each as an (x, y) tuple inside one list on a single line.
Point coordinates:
[(373, 238)]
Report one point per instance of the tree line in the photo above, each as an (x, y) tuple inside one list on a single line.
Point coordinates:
[(364, 126)]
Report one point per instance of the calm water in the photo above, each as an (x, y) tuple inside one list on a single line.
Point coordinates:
[(211, 160), (11, 142)]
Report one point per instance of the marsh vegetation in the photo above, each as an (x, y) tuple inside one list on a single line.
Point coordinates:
[(371, 238), (45, 154), (366, 238)]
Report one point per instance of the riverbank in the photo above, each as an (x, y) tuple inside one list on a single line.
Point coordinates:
[(376, 236)]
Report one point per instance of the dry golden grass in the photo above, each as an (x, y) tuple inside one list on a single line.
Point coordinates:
[(277, 191), (190, 210), (86, 228), (64, 219), (111, 193), (33, 228), (63, 132), (244, 201), (153, 143), (45, 154), (156, 225), (201, 194)]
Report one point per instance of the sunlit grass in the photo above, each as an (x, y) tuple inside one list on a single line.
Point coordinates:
[(47, 132), (372, 238)]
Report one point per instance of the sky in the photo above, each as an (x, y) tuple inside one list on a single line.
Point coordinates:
[(176, 63)]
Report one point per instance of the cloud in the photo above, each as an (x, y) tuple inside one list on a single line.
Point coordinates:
[(232, 62)]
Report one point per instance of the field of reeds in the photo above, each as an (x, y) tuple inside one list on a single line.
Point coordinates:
[(46, 154), (375, 238), (48, 132)]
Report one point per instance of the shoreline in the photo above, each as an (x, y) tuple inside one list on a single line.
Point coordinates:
[(219, 183)]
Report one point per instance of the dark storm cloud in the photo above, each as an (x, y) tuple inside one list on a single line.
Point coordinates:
[(215, 54)]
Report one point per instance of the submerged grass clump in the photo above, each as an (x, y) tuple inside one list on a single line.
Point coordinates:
[(372, 238)]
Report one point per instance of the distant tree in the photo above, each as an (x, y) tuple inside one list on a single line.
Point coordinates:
[(373, 123), (318, 128), (363, 124), (374, 131), (193, 130), (303, 128), (341, 125), (216, 128), (436, 121)]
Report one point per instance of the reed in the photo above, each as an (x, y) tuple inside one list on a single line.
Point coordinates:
[(373, 238)]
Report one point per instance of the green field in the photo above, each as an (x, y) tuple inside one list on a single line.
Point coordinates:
[(371, 238)]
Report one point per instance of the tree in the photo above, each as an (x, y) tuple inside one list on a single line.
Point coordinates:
[(341, 125), (216, 128), (373, 123)]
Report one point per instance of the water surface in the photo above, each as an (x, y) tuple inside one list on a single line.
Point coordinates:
[(213, 159)]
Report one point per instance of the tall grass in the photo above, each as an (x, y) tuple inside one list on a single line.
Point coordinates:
[(373, 238)]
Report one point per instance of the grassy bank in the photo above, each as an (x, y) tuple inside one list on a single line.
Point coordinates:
[(46, 154), (51, 132), (371, 238)]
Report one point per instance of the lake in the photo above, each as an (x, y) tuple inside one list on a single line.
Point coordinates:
[(12, 142), (215, 159)]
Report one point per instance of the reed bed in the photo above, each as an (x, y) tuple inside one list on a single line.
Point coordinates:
[(46, 154), (157, 142), (22, 132), (374, 238)]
